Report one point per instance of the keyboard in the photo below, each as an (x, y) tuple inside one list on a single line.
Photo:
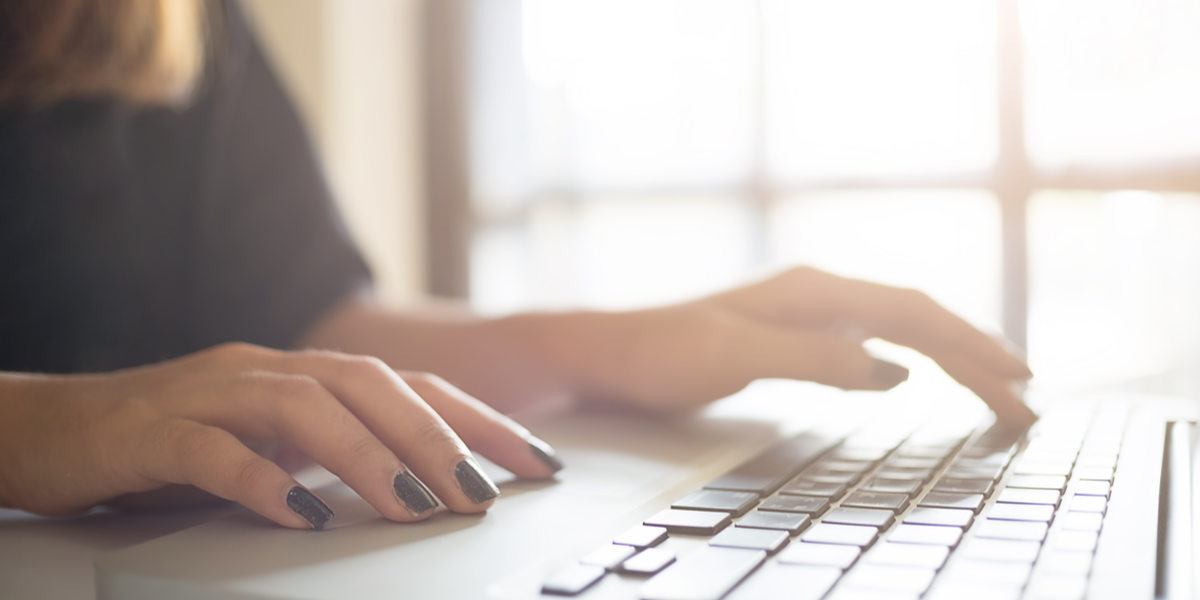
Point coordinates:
[(980, 514)]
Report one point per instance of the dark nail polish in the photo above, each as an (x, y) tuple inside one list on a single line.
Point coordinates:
[(305, 504), (888, 374), (474, 483), (543, 452), (413, 493)]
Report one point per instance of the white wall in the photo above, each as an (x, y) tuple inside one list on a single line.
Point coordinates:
[(352, 68)]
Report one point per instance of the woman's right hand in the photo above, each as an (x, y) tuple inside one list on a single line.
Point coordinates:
[(71, 442)]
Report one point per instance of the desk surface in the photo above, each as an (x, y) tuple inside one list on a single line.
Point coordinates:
[(51, 558)]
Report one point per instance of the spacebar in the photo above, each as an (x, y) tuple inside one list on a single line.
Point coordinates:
[(706, 574)]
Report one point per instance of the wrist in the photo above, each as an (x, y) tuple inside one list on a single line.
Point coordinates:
[(584, 352)]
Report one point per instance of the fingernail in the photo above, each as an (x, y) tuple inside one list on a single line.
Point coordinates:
[(305, 504), (888, 374), (413, 494), (477, 487), (543, 452)]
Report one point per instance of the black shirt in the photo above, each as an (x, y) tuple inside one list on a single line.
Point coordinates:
[(129, 235)]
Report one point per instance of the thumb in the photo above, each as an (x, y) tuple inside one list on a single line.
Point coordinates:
[(821, 357)]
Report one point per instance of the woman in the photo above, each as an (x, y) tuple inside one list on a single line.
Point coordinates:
[(168, 247)]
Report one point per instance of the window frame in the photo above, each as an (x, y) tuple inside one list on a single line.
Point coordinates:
[(452, 221)]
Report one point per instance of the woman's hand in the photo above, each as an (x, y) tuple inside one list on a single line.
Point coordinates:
[(803, 324), (70, 442)]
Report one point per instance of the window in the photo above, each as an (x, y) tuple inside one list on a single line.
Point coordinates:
[(1033, 165)]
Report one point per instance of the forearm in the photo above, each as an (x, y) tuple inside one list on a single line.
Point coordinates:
[(508, 362)]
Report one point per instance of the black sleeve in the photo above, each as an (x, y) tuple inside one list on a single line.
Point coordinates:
[(271, 253)]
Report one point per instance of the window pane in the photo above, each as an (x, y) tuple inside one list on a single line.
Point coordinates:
[(611, 253), (1116, 80), (944, 242), (879, 87), (1115, 290), (604, 94)]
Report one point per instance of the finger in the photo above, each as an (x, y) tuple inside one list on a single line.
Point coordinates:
[(186, 452), (1002, 395), (408, 426), (761, 351), (300, 410), (484, 429), (809, 297)]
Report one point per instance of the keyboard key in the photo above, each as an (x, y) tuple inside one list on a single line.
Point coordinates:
[(921, 475), (706, 574), (901, 462), (964, 486), (1094, 504), (980, 452), (989, 473), (1092, 488), (1082, 521), (847, 535), (690, 522), (1020, 496), (957, 590), (1011, 575), (792, 523), (1022, 512), (1012, 530), (1001, 550), (768, 540), (800, 504), (1043, 468), (1101, 446), (1038, 482), (842, 466), (609, 556), (860, 516), (820, 554), (830, 477), (999, 439), (768, 470), (1058, 587), (572, 579), (1095, 473), (926, 534), (1050, 456), (971, 502), (988, 459), (723, 500), (1063, 562), (940, 516), (849, 593), (1108, 461), (924, 451), (787, 582), (648, 561), (912, 580), (642, 536), (1081, 541), (808, 487), (870, 455), (819, 474), (880, 500), (907, 555), (892, 486)]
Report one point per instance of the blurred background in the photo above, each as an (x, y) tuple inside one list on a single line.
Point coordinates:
[(1034, 166)]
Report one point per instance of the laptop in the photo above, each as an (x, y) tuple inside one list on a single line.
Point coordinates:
[(785, 490)]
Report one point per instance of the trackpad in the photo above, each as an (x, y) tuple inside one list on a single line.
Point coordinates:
[(616, 455)]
